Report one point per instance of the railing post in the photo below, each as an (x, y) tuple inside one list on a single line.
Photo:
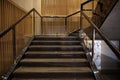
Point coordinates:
[(93, 42), (33, 22), (81, 21), (81, 25), (14, 43), (93, 6), (41, 25), (119, 45), (66, 30)]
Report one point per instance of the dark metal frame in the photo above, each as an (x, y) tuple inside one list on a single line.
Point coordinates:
[(113, 48), (102, 35), (96, 72)]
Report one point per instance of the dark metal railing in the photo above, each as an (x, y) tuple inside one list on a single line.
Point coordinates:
[(53, 16), (72, 14), (113, 48), (82, 5)]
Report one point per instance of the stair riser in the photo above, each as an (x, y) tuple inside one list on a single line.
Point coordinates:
[(56, 43), (74, 34), (55, 64), (55, 49), (55, 56), (53, 75), (58, 39)]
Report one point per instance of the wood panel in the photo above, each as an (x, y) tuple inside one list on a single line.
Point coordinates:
[(73, 6), (54, 26), (73, 23), (54, 7), (62, 7), (8, 15)]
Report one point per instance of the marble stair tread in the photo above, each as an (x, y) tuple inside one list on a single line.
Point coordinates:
[(55, 79), (56, 46), (56, 37), (54, 41), (55, 60), (55, 52), (53, 70)]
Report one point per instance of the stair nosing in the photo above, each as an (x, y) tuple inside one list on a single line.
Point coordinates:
[(53, 70), (54, 60)]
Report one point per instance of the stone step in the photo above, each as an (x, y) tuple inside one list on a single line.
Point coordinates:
[(55, 62), (55, 48), (53, 72), (56, 38), (55, 79), (42, 55), (52, 43)]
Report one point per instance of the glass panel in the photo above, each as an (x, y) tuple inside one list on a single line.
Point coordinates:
[(104, 57), (24, 31), (38, 27), (73, 23), (6, 52), (54, 26)]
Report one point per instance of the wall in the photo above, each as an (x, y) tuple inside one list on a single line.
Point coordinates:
[(61, 8), (54, 7), (108, 58), (111, 26), (26, 7), (9, 14), (24, 4), (37, 5)]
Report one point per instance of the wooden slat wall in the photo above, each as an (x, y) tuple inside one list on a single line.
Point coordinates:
[(62, 8), (73, 6), (54, 7), (54, 26), (73, 23), (8, 15)]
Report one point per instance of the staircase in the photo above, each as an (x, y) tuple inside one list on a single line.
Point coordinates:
[(54, 58)]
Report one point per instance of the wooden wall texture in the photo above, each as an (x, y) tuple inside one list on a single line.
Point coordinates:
[(8, 15), (62, 8), (54, 7)]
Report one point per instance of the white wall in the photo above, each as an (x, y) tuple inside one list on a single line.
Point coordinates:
[(37, 5), (27, 5), (24, 4)]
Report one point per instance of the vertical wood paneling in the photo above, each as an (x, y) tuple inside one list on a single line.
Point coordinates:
[(73, 23), (8, 15), (62, 7), (54, 26), (54, 7), (73, 6)]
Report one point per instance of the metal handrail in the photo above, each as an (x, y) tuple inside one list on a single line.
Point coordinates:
[(17, 22), (53, 16), (72, 14), (37, 12), (85, 3), (14, 24), (113, 48)]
